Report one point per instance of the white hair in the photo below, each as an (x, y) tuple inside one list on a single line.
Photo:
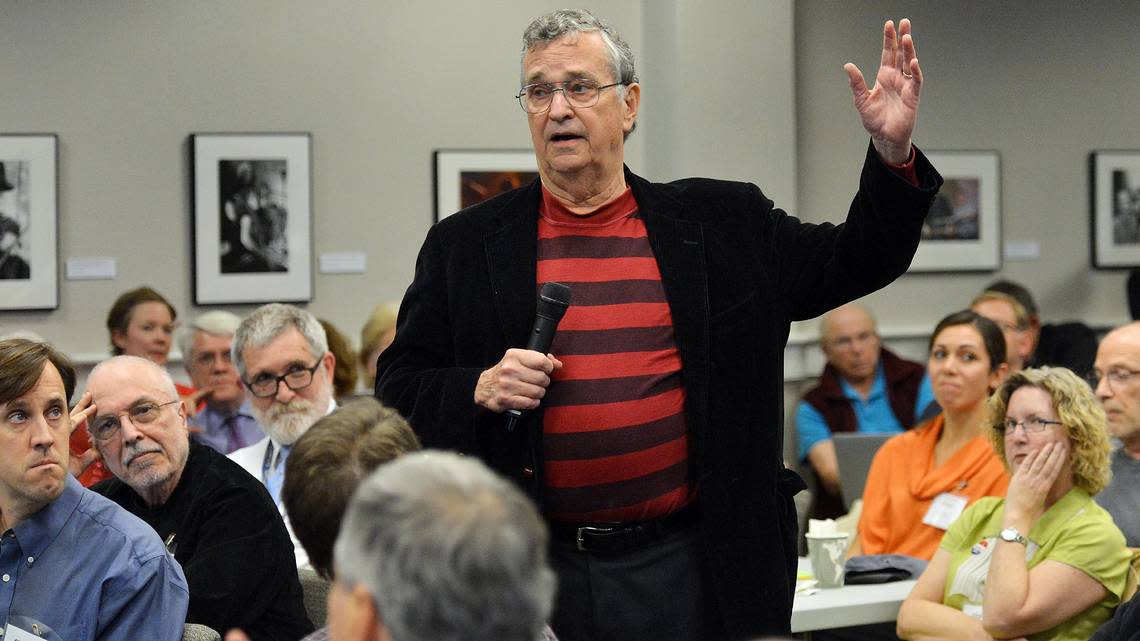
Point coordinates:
[(268, 322), (214, 323)]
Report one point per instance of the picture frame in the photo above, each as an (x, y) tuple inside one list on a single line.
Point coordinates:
[(1114, 208), (464, 177), (962, 230), (251, 204), (29, 222)]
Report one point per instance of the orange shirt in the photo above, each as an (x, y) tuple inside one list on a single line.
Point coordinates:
[(903, 482)]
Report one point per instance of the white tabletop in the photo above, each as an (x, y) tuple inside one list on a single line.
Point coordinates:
[(849, 605)]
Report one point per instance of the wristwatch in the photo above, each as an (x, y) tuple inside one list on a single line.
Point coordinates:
[(1013, 536)]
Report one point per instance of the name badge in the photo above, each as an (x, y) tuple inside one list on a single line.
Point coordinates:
[(13, 633), (944, 510)]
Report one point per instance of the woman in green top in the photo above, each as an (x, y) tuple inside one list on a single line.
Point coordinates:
[(1045, 562)]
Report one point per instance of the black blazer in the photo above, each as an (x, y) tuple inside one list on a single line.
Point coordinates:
[(736, 272)]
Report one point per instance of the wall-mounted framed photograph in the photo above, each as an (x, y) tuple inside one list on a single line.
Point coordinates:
[(962, 231), (1114, 195), (465, 177), (252, 218), (29, 222)]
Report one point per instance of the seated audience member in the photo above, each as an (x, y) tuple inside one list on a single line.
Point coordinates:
[(434, 546), (1117, 385), (921, 480), (140, 323), (863, 388), (1046, 561), (326, 465), (344, 374), (376, 336), (217, 521), (76, 567), (1071, 345), (1013, 321), (224, 421), (283, 358)]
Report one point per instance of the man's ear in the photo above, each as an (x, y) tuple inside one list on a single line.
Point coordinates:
[(330, 365), (632, 104), (369, 623)]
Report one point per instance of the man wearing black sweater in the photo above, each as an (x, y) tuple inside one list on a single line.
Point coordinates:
[(217, 520)]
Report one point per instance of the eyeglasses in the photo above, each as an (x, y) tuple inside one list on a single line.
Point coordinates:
[(266, 385), (1118, 377), (103, 428), (580, 93), (1032, 425)]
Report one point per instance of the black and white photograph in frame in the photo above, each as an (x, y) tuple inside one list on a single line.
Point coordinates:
[(252, 218), (464, 177), (962, 230), (1114, 186), (28, 222)]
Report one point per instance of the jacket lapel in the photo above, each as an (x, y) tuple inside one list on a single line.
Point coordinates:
[(512, 254)]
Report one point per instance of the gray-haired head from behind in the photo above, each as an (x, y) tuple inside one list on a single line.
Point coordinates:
[(448, 550)]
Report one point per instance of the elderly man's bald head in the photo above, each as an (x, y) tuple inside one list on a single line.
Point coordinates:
[(850, 341), (1118, 386)]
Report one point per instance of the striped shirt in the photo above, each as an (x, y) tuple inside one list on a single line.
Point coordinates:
[(615, 444)]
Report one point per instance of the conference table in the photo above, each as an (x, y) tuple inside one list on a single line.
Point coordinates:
[(822, 609)]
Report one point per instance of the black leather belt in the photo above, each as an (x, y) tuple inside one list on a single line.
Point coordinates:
[(617, 538)]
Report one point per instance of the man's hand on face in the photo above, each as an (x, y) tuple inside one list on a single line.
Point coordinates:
[(84, 409), (518, 381)]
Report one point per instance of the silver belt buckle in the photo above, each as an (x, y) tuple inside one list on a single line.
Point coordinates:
[(592, 529)]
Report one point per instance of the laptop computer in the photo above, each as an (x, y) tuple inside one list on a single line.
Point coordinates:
[(854, 451)]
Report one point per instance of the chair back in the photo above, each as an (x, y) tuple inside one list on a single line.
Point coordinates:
[(199, 632), (316, 592)]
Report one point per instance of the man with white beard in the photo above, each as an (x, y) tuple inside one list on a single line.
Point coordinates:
[(283, 358)]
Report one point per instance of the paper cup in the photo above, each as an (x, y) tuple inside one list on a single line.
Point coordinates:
[(827, 554)]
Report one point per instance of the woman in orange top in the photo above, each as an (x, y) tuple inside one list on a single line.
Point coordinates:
[(921, 480)]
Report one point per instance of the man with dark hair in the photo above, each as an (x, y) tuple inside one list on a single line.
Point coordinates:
[(74, 565), (656, 453), (329, 461), (217, 521), (1072, 344)]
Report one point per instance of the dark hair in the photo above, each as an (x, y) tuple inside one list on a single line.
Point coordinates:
[(119, 318), (992, 338), (22, 363), (344, 374), (1018, 293), (329, 461)]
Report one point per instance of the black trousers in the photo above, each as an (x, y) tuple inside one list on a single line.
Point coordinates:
[(654, 593)]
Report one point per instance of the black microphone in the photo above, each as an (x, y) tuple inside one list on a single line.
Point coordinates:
[(552, 303)]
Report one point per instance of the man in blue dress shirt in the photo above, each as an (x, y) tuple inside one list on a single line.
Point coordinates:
[(224, 421), (73, 565)]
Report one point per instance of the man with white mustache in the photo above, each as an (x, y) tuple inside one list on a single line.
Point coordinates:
[(216, 521), (282, 355)]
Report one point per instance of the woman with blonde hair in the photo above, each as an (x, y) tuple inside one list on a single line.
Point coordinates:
[(1045, 562), (376, 336)]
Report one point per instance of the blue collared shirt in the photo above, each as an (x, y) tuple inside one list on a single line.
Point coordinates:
[(226, 432), (873, 415), (85, 569)]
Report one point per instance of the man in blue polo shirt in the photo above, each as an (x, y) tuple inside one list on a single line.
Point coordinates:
[(73, 565), (863, 388)]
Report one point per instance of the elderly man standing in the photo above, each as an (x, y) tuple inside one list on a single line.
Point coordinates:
[(656, 454), (283, 358), (217, 521), (864, 388), (225, 421), (73, 565), (403, 573), (1116, 379)]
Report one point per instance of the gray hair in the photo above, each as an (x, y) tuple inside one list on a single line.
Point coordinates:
[(448, 550), (554, 25), (268, 322), (215, 323)]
